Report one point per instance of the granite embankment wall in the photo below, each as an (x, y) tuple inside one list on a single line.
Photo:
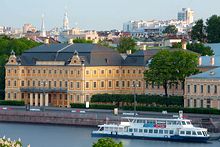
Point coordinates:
[(53, 118)]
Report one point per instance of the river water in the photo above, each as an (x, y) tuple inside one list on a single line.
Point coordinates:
[(69, 136)]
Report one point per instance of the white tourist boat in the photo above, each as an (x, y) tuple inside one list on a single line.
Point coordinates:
[(176, 129)]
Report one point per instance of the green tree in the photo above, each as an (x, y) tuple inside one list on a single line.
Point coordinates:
[(200, 48), (159, 70), (82, 41), (171, 67), (213, 29), (6, 46), (107, 142), (171, 29), (198, 31), (126, 43)]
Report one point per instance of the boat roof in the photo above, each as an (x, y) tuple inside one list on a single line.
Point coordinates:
[(161, 119)]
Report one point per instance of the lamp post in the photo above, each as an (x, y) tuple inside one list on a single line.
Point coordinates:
[(134, 85)]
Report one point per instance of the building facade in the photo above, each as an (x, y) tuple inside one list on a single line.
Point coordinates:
[(202, 90), (60, 74)]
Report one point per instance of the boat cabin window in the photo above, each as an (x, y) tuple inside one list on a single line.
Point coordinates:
[(140, 121), (161, 122), (169, 123), (135, 130), (130, 130), (182, 132), (183, 123), (171, 132), (188, 123), (155, 131), (193, 132), (150, 131), (140, 130), (204, 133), (101, 129), (145, 130), (178, 123), (188, 132), (199, 132), (160, 131), (151, 122), (165, 131)]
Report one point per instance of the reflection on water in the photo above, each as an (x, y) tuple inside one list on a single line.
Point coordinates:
[(69, 136)]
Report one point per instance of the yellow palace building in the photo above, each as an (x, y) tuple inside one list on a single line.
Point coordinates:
[(60, 74)]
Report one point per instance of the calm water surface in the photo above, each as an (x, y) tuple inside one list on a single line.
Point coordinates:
[(69, 136)]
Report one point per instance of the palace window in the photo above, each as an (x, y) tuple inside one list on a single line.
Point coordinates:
[(102, 71), (94, 84), (123, 71), (117, 71), (201, 102), (102, 84), (215, 89), (49, 84), (117, 84), (44, 71), (133, 71), (128, 71), (15, 95), (201, 88), (55, 71), (28, 83), (15, 83), (49, 71), (188, 88), (78, 98), (87, 84), (87, 98), (60, 83), (55, 84), (39, 71), (139, 84), (22, 71), (110, 71), (194, 103), (139, 71), (109, 83), (9, 71), (94, 72), (77, 85), (60, 71), (195, 88), (22, 95), (208, 88), (87, 72), (15, 71), (128, 84), (71, 84), (28, 71), (33, 83), (9, 96), (34, 71), (22, 83), (123, 83)]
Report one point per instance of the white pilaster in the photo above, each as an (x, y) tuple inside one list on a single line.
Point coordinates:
[(41, 99), (31, 99), (46, 99), (36, 99)]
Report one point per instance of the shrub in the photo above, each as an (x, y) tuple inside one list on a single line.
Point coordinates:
[(141, 99), (12, 103)]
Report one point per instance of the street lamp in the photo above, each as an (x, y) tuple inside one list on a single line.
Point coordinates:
[(134, 85)]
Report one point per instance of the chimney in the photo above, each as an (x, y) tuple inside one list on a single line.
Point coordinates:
[(128, 52), (200, 61), (70, 41), (184, 44), (212, 60), (46, 41)]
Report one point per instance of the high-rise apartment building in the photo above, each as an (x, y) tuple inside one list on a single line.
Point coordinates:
[(186, 15)]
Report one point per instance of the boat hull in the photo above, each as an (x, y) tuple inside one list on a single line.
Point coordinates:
[(175, 138)]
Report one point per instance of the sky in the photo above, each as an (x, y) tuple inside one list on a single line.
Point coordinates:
[(98, 14)]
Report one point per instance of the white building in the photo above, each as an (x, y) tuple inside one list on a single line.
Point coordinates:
[(186, 15), (1, 30), (29, 28)]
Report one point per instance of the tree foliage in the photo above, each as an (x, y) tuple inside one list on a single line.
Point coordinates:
[(126, 43), (198, 31), (6, 46), (170, 67), (200, 48), (213, 29), (82, 41), (171, 29), (107, 142)]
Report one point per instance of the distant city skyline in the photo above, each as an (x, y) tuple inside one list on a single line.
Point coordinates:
[(98, 14)]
